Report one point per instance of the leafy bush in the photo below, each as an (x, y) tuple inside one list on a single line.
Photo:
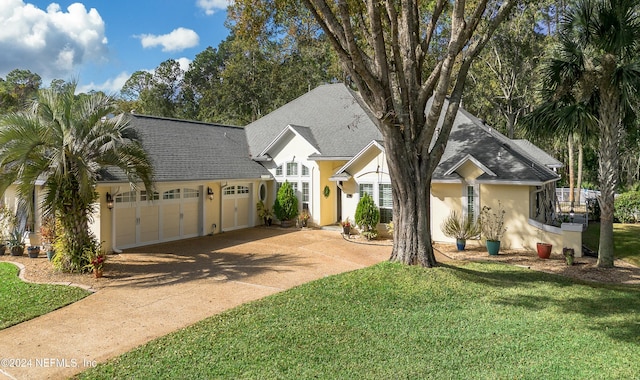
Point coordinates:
[(627, 207), (367, 216), (286, 205)]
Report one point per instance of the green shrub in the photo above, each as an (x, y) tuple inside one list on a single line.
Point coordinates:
[(367, 216), (627, 207), (286, 205)]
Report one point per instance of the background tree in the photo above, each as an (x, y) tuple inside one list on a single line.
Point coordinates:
[(501, 86), (66, 140), (19, 88), (400, 54), (594, 75), (156, 93)]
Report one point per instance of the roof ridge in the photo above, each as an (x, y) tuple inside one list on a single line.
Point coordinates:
[(188, 121)]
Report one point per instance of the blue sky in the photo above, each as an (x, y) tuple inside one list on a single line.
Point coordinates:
[(102, 42)]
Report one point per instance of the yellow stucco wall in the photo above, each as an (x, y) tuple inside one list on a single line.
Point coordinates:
[(520, 234), (328, 205), (445, 197)]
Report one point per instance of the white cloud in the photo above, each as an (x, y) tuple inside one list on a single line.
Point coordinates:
[(178, 39), (110, 86), (184, 63), (51, 43), (211, 6)]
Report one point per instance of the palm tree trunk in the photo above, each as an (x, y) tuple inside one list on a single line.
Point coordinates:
[(580, 164), (610, 129), (571, 171)]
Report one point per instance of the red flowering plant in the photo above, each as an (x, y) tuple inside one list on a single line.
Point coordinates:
[(346, 223), (95, 256)]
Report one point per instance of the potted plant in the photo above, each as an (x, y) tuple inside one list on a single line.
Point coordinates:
[(569, 255), (286, 205), (264, 213), (346, 227), (33, 251), (304, 217), (461, 228), (96, 258), (48, 235), (544, 250), (492, 225), (16, 242)]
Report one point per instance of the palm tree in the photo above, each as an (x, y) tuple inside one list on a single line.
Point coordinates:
[(594, 78), (66, 141)]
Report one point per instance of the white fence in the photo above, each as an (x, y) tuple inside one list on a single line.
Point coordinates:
[(581, 195)]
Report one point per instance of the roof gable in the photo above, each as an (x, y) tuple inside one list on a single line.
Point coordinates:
[(304, 133), (466, 161), (341, 125)]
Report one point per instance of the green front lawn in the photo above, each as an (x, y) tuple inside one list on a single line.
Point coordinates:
[(468, 321), (626, 240), (20, 301)]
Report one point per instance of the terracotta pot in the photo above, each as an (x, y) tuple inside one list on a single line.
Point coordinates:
[(17, 251), (97, 273), (544, 250)]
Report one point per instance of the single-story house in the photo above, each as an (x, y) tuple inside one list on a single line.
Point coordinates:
[(209, 177)]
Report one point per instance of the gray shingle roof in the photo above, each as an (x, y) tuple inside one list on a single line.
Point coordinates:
[(539, 154), (339, 123), (509, 162), (184, 150)]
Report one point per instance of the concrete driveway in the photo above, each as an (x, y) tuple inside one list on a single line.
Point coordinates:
[(151, 291)]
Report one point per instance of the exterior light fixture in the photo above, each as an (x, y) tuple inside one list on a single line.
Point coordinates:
[(109, 201), (571, 215), (210, 193)]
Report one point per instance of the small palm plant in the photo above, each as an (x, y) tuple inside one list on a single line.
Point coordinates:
[(460, 227)]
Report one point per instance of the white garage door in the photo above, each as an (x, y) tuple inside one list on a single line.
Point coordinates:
[(236, 207), (167, 215)]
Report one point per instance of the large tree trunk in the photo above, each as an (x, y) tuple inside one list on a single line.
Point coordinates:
[(411, 188), (607, 169)]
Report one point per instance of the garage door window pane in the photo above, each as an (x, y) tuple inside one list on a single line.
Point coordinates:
[(191, 193), (229, 190), (145, 197), (129, 196), (171, 194), (243, 189)]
